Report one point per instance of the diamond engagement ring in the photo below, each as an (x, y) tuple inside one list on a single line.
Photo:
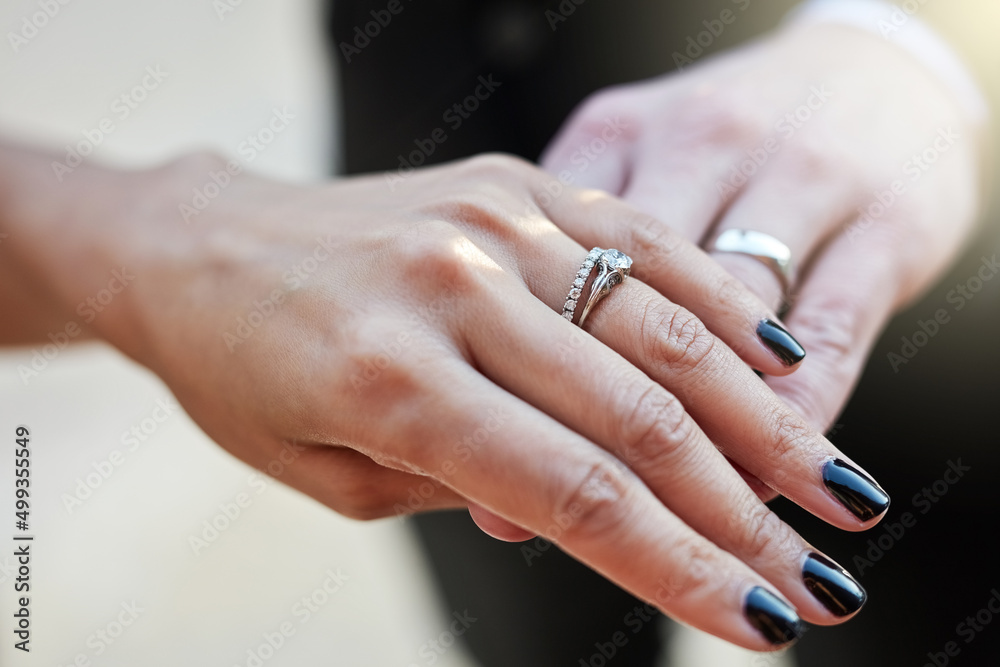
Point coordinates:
[(613, 267)]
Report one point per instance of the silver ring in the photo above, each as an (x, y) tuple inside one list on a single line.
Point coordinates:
[(766, 249), (613, 267)]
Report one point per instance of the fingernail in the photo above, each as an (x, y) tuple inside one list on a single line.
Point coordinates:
[(857, 491), (779, 341), (772, 617), (832, 585)]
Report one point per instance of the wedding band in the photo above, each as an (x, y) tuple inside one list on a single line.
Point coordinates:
[(613, 267), (766, 249), (576, 291)]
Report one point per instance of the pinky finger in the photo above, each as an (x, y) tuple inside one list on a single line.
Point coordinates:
[(837, 324), (352, 484), (496, 526)]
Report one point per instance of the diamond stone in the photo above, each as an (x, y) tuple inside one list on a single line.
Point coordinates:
[(570, 304), (617, 259), (575, 293)]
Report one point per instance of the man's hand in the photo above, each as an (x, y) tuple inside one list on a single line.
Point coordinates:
[(828, 138)]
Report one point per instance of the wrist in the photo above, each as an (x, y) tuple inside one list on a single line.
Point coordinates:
[(79, 237)]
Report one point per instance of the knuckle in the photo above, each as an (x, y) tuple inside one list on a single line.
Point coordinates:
[(599, 103), (674, 337), (386, 387), (661, 430), (732, 294), (757, 532), (436, 253), (829, 326), (817, 161), (716, 118), (652, 240), (493, 166), (809, 395), (791, 437), (616, 102), (596, 501), (376, 359), (700, 573), (377, 379), (485, 208)]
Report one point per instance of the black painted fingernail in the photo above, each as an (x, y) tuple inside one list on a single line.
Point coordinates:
[(779, 341), (856, 490), (832, 585), (772, 617)]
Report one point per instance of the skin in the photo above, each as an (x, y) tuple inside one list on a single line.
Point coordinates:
[(422, 352), (882, 110)]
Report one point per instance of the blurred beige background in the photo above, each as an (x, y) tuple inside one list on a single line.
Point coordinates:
[(114, 537)]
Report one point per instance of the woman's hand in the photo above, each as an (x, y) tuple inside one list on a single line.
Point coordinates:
[(410, 344), (830, 139)]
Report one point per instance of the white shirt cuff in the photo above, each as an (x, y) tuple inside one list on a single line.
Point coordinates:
[(900, 26)]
